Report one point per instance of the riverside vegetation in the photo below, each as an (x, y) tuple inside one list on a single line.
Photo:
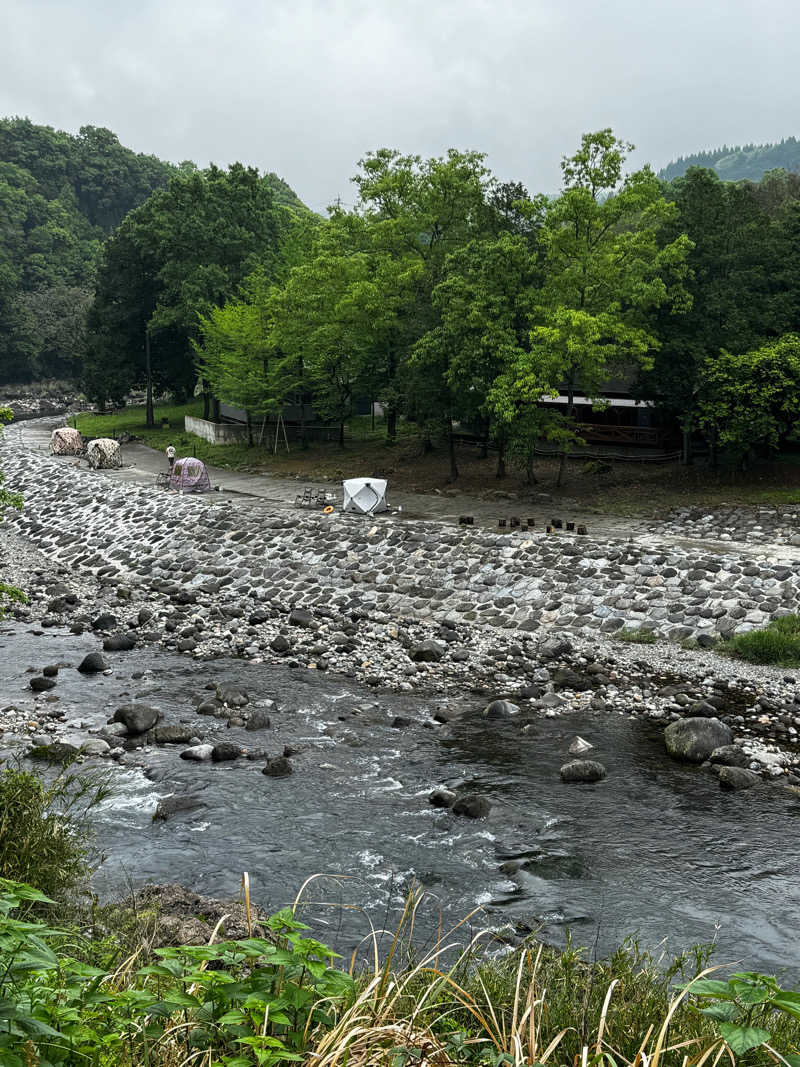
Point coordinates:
[(94, 986)]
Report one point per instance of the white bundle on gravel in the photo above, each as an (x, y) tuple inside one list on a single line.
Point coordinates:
[(104, 454), (65, 441)]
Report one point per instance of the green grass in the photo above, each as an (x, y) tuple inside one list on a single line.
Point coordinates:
[(45, 836), (635, 637), (777, 645)]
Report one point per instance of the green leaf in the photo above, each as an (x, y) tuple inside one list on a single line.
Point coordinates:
[(742, 1038), (705, 987), (722, 1012)]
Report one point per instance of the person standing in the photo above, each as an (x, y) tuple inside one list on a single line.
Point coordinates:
[(170, 457)]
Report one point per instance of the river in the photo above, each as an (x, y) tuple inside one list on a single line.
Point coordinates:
[(655, 850)]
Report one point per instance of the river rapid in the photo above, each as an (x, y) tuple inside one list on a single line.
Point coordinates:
[(655, 850)]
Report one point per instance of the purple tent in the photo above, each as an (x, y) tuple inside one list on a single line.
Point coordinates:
[(189, 475)]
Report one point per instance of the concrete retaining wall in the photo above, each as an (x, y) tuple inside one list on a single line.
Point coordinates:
[(217, 433)]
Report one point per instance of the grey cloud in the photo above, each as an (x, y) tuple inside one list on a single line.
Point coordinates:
[(306, 88)]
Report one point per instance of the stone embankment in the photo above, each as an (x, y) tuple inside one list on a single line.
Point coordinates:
[(408, 605), (779, 525)]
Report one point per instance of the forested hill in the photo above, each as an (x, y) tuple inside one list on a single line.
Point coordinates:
[(733, 164), (61, 196)]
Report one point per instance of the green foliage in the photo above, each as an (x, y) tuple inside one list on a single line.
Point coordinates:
[(185, 251), (777, 644), (743, 1006), (44, 835), (59, 196), (603, 272), (635, 637), (253, 1001), (752, 399)]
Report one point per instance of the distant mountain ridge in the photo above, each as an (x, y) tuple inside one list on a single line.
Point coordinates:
[(740, 162)]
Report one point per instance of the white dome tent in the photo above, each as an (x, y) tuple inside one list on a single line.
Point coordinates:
[(365, 495)]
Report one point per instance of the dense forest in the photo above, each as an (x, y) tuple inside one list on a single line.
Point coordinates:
[(748, 162), (61, 196), (449, 297)]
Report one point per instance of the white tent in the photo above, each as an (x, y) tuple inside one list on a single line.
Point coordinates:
[(365, 495), (103, 454)]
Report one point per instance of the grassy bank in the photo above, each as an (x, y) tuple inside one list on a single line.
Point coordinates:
[(81, 985), (620, 488)]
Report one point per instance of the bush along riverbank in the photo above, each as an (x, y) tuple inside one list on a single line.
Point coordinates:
[(120, 986), (280, 996)]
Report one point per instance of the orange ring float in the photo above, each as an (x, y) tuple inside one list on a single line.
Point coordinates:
[(328, 510)]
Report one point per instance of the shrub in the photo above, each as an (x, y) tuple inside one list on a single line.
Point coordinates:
[(636, 637), (45, 839), (778, 644)]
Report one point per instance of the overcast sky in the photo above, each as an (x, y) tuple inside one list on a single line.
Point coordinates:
[(305, 88)]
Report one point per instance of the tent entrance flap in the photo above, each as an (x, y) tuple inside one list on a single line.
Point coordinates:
[(365, 495)]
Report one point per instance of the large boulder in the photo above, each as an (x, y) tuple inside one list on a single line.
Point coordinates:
[(694, 739), (136, 718), (582, 770)]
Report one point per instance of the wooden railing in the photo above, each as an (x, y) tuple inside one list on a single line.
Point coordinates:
[(622, 435)]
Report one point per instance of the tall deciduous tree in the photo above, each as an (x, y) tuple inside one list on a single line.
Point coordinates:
[(603, 271), (182, 253)]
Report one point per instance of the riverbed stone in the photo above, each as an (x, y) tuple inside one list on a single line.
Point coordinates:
[(582, 770), (427, 652), (735, 778), (442, 798), (471, 805), (278, 767), (198, 753), (137, 718), (225, 750), (694, 739), (500, 709), (119, 643), (41, 684), (92, 664)]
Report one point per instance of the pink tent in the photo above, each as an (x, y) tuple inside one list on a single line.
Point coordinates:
[(189, 475)]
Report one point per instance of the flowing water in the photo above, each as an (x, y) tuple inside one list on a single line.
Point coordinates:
[(655, 850)]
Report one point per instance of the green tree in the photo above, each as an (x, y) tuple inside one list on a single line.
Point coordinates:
[(751, 400), (738, 297), (603, 270), (182, 253)]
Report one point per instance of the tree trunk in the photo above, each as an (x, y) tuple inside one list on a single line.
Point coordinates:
[(501, 458), (341, 433), (206, 403), (487, 424), (391, 423), (149, 420), (451, 442), (686, 452), (530, 476), (215, 409), (570, 408), (250, 441)]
